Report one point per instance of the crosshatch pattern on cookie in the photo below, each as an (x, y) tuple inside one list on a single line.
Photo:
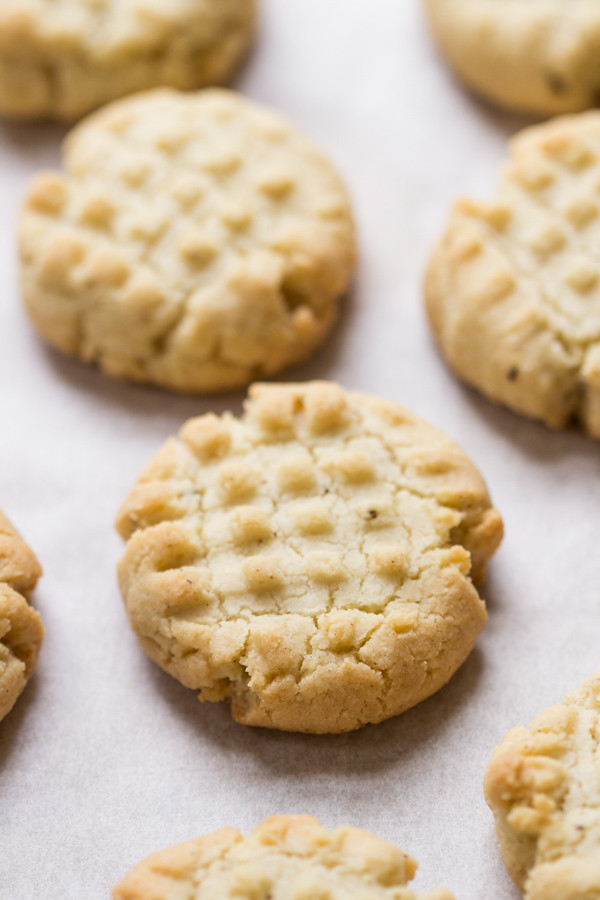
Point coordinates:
[(21, 628), (310, 561), (543, 788), (194, 241), (63, 58), (523, 274), (287, 857)]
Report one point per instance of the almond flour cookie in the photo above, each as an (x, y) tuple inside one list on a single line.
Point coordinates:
[(195, 242), (63, 58), (21, 628), (543, 786), (310, 562), (513, 287), (284, 858), (533, 56)]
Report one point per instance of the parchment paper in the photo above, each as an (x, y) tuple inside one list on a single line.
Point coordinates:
[(106, 759)]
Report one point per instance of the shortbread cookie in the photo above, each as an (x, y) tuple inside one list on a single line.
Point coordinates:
[(196, 241), (513, 287), (310, 562), (534, 56), (21, 629), (284, 858), (63, 58), (543, 786)]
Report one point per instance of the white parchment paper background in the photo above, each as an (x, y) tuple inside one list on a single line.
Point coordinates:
[(105, 758)]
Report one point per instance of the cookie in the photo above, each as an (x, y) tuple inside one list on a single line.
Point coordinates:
[(196, 242), (531, 56), (543, 786), (21, 628), (513, 286), (284, 858), (64, 58), (310, 562)]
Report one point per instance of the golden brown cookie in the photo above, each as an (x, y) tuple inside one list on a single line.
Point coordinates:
[(533, 56), (513, 286), (195, 241), (543, 786), (310, 562), (284, 858), (21, 628), (62, 58)]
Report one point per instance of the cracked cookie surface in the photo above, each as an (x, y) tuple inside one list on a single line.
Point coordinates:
[(284, 858), (311, 562), (543, 786), (513, 287), (196, 241), (533, 56), (63, 58), (21, 628)]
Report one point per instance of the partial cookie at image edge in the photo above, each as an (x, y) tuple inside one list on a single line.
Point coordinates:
[(292, 856), (72, 59), (534, 58), (512, 288), (542, 787), (21, 629)]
